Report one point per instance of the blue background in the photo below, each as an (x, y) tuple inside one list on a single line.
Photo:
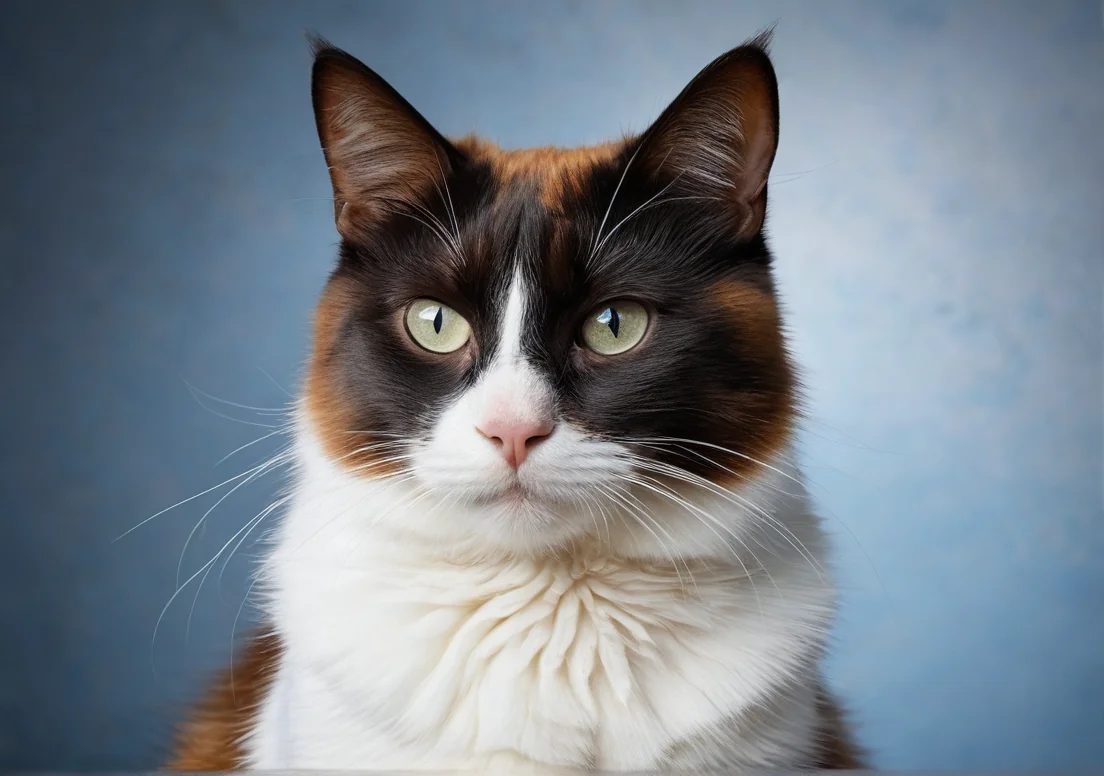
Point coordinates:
[(937, 216)]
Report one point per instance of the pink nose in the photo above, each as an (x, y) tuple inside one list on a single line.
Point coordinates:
[(514, 436)]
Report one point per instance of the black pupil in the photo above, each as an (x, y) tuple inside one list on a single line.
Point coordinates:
[(614, 321), (439, 318)]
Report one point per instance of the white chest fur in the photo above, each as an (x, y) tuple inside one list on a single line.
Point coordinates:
[(396, 658)]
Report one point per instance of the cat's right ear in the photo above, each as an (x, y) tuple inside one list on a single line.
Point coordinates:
[(379, 150), (717, 140)]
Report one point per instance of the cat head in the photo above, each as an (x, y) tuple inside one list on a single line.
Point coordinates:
[(527, 344)]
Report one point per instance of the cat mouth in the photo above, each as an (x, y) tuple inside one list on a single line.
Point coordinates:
[(513, 495)]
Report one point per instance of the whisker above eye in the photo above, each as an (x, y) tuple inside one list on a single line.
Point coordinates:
[(638, 209), (609, 207), (435, 228), (448, 198)]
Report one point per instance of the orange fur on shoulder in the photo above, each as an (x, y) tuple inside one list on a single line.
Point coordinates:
[(211, 738), (838, 749)]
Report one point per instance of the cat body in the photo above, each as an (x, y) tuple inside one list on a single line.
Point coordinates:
[(545, 508)]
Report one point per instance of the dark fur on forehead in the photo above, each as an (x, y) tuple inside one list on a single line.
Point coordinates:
[(643, 219)]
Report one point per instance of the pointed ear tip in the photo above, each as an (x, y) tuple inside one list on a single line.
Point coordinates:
[(325, 54), (318, 45), (763, 40), (752, 60), (757, 50), (333, 68)]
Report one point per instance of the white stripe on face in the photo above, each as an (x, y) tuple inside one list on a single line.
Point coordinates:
[(512, 402), (509, 340), (511, 386)]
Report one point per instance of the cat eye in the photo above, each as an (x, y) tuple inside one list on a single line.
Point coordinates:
[(615, 327), (435, 327)]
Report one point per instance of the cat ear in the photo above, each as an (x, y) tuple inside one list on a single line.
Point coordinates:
[(718, 138), (379, 150)]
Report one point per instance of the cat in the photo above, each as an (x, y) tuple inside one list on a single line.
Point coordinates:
[(546, 511)]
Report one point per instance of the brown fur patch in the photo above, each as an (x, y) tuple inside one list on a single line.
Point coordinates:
[(332, 416), (838, 750), (211, 739), (755, 314), (557, 171)]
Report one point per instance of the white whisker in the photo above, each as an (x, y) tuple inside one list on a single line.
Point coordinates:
[(756, 511), (643, 514), (228, 403), (693, 509), (609, 207), (252, 523), (258, 440), (448, 195), (744, 456), (649, 201), (182, 502), (202, 569), (269, 465)]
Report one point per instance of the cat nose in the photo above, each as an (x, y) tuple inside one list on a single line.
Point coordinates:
[(515, 436)]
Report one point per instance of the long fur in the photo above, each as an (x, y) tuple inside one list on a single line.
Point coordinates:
[(646, 588)]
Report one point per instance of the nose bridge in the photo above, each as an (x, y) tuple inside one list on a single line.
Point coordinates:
[(514, 411), (516, 393), (512, 389)]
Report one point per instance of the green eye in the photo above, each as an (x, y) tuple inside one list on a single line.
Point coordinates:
[(436, 328), (615, 327)]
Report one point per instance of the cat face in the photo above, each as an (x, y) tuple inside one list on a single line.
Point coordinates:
[(535, 341)]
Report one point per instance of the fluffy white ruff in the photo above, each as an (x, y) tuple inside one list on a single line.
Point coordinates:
[(409, 646)]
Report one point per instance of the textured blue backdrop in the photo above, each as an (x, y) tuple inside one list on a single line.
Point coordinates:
[(936, 214)]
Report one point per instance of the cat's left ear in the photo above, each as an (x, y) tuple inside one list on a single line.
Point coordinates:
[(380, 151), (718, 138)]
